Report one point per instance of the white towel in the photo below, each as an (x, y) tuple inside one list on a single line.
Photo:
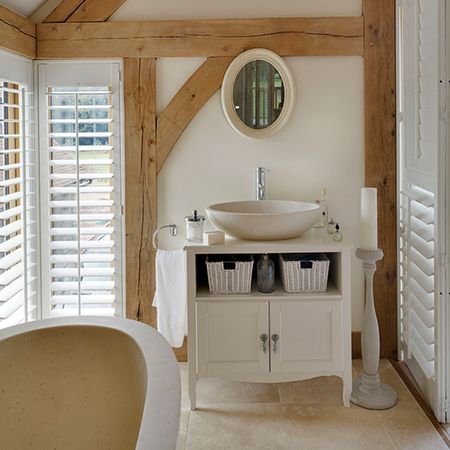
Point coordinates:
[(171, 295)]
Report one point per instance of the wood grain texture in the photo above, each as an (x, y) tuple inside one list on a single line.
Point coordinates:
[(356, 344), (63, 11), (17, 33), (380, 156), (323, 36), (140, 186), (182, 352), (95, 10), (191, 97)]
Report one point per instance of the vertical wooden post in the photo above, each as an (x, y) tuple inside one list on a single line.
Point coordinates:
[(380, 156), (140, 186)]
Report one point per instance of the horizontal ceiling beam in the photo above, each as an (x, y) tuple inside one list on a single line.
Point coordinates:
[(17, 33), (321, 36)]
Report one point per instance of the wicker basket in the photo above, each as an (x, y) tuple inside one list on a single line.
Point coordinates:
[(229, 276), (304, 272)]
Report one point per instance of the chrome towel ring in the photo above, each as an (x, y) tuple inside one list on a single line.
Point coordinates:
[(173, 229)]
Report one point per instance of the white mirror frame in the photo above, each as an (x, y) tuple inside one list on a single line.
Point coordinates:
[(227, 92)]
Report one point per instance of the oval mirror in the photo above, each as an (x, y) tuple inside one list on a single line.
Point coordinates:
[(258, 93)]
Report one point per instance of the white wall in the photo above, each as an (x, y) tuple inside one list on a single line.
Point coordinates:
[(322, 146)]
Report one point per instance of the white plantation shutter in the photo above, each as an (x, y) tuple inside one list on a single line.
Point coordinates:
[(421, 196), (82, 251), (18, 269)]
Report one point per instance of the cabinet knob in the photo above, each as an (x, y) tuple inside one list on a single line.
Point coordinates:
[(264, 339), (275, 340)]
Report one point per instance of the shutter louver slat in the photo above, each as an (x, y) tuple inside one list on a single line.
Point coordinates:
[(102, 272), (9, 307), (58, 286), (86, 299), (83, 230), (74, 204), (67, 245), (11, 228), (84, 258), (81, 148), (82, 217), (11, 212), (11, 274), (65, 312), (426, 333)]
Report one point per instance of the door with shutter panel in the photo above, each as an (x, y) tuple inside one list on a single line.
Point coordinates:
[(422, 195), (81, 185)]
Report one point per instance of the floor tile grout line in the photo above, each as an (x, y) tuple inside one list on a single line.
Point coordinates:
[(386, 431)]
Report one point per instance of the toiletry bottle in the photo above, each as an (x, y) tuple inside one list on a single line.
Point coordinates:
[(331, 226), (194, 227), (337, 236), (323, 203), (265, 274)]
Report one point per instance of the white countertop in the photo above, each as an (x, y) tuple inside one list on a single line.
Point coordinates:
[(314, 240)]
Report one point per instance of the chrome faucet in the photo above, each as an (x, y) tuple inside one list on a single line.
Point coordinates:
[(260, 183)]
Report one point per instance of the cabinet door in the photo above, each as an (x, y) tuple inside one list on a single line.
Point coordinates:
[(229, 337), (310, 336)]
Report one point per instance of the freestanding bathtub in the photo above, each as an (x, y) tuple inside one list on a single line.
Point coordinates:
[(87, 383)]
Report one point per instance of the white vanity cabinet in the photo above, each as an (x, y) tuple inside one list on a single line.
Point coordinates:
[(276, 337)]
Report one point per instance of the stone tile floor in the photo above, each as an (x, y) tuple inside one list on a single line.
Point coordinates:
[(302, 415)]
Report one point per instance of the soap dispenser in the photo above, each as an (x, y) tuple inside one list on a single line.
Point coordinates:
[(194, 227)]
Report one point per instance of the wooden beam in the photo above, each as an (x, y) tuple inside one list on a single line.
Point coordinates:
[(63, 11), (380, 156), (96, 10), (140, 186), (17, 33), (197, 90), (323, 36)]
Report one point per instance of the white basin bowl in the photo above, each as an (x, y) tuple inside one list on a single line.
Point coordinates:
[(264, 220)]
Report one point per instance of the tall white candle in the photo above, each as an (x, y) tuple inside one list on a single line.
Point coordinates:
[(369, 219)]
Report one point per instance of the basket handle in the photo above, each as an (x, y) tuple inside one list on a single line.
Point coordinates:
[(229, 265), (305, 264)]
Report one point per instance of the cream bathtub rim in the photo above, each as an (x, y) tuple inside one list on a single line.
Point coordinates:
[(161, 414)]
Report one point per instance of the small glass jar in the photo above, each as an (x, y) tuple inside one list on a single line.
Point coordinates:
[(194, 227), (338, 236), (265, 274), (331, 226)]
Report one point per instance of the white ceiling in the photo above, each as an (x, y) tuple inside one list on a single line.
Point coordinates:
[(207, 9), (188, 9), (24, 7)]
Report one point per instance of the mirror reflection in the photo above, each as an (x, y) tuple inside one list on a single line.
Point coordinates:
[(258, 94)]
